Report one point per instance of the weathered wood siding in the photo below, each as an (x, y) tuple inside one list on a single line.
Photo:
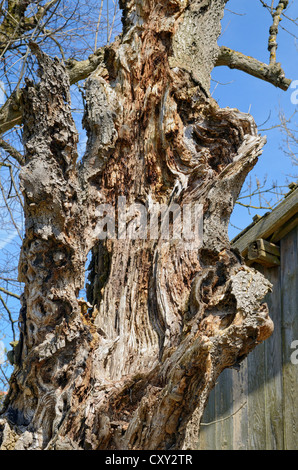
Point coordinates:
[(257, 407)]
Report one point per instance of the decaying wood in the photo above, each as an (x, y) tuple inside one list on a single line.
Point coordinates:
[(166, 320)]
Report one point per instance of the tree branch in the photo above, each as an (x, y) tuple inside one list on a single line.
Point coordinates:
[(81, 70), (12, 294), (272, 73), (9, 210), (226, 417), (9, 315), (276, 15), (16, 21), (12, 151)]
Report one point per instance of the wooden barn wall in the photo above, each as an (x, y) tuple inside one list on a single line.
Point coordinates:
[(256, 408)]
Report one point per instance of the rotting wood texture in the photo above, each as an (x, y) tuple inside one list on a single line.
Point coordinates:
[(166, 320)]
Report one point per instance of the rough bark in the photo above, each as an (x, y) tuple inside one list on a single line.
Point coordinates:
[(166, 320)]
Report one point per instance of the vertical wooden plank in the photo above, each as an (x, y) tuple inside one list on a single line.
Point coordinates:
[(289, 293), (240, 407), (207, 433), (224, 410), (256, 399), (267, 381), (273, 364)]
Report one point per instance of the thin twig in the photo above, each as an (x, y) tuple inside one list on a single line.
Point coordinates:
[(9, 210), (12, 294), (227, 417), (10, 317), (97, 26), (12, 151), (113, 21)]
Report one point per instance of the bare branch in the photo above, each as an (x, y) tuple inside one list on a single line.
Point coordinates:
[(290, 137), (226, 417), (12, 294), (9, 315), (80, 70), (9, 210), (10, 113), (97, 26), (12, 151), (276, 15), (272, 73)]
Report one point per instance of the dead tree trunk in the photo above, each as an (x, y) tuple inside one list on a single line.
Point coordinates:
[(166, 319)]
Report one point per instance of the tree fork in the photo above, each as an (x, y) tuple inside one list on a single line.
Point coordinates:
[(166, 320)]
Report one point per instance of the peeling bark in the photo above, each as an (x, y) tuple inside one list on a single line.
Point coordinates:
[(166, 320)]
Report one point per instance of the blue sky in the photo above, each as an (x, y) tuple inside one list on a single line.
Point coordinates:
[(6, 238)]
